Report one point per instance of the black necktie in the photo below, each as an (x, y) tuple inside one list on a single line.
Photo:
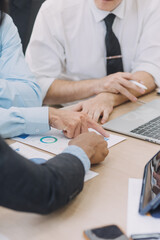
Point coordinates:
[(113, 59)]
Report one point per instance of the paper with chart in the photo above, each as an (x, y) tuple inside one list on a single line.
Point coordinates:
[(55, 142), (29, 152), (41, 157)]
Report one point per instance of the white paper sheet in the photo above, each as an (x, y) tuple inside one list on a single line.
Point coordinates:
[(34, 154), (112, 139), (55, 142), (89, 175), (29, 152), (137, 224)]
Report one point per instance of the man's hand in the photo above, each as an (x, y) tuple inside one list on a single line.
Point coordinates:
[(96, 107), (93, 145), (119, 83), (73, 123)]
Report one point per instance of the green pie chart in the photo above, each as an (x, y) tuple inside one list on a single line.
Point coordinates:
[(48, 139)]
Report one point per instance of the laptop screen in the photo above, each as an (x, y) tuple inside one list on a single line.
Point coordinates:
[(150, 194)]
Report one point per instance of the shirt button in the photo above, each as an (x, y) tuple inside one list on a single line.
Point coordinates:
[(37, 130)]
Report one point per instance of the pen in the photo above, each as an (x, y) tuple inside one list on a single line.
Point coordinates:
[(140, 101), (139, 84)]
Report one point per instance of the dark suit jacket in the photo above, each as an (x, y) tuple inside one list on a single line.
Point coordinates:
[(27, 186), (24, 13)]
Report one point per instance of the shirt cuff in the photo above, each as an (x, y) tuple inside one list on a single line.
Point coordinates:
[(36, 120), (79, 153)]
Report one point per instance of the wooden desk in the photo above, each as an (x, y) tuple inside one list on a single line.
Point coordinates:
[(102, 201)]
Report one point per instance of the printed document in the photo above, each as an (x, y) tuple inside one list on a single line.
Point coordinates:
[(55, 142)]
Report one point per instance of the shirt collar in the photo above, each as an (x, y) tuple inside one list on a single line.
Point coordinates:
[(100, 14)]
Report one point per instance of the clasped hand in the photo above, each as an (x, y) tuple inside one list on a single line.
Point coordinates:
[(119, 83)]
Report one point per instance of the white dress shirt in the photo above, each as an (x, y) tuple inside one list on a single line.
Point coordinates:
[(68, 40)]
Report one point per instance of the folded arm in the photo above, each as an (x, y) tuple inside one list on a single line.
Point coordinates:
[(102, 104), (62, 91)]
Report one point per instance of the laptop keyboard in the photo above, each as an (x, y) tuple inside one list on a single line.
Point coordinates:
[(150, 129)]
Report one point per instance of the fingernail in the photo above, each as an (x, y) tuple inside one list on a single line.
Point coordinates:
[(141, 82), (142, 90)]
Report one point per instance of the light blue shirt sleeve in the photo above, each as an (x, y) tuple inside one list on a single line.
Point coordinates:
[(20, 95), (79, 153), (16, 121), (17, 85)]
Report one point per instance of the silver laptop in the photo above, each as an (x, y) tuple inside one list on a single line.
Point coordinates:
[(143, 122)]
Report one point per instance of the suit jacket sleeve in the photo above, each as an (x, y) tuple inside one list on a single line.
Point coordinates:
[(20, 3), (26, 186)]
